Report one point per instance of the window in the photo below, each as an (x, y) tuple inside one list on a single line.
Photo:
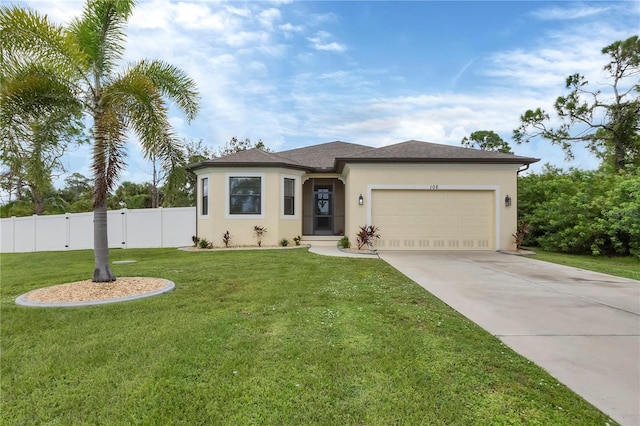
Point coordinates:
[(289, 196), (245, 195), (205, 197)]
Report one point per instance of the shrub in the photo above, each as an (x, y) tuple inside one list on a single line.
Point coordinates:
[(344, 242), (259, 231), (205, 244), (582, 212), (297, 240), (284, 242), (366, 235), (521, 233)]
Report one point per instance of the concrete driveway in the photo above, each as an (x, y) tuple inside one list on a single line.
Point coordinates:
[(582, 327)]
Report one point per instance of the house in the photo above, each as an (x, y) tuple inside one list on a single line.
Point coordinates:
[(422, 196)]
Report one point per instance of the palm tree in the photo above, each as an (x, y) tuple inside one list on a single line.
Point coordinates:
[(79, 65)]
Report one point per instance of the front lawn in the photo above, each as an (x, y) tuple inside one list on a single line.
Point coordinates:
[(626, 267), (273, 337)]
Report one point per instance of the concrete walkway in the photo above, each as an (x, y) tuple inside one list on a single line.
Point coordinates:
[(336, 252), (582, 327)]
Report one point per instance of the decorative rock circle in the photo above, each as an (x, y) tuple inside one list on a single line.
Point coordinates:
[(24, 300)]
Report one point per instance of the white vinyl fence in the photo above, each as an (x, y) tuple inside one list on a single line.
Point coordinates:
[(140, 228)]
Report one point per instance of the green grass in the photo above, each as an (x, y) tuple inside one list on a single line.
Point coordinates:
[(273, 337), (626, 267)]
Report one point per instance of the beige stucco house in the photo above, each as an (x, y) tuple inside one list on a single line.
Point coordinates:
[(422, 196)]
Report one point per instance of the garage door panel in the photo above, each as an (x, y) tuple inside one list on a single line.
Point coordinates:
[(434, 220)]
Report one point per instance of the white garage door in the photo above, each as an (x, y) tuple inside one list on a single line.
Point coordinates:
[(434, 220)]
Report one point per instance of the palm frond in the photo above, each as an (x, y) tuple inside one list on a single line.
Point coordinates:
[(145, 112), (100, 33), (28, 37), (35, 90), (173, 83), (37, 108)]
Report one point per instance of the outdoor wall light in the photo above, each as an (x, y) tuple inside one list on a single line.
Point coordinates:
[(361, 200), (507, 201)]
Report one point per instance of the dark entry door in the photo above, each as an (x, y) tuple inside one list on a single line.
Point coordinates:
[(323, 209)]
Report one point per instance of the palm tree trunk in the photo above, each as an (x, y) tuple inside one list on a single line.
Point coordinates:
[(102, 272)]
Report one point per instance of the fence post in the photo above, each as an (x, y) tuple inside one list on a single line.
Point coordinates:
[(13, 234), (35, 232), (123, 240), (161, 227), (68, 233)]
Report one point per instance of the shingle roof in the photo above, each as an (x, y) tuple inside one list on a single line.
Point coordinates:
[(253, 157), (332, 156), (322, 157), (425, 152)]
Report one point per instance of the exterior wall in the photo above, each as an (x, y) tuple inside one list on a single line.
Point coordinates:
[(502, 179), (218, 221)]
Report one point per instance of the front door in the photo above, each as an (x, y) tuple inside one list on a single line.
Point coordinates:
[(323, 210)]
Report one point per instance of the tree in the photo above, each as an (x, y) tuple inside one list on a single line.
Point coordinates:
[(608, 123), (81, 62), (38, 121), (77, 193), (236, 145), (594, 212), (132, 195), (486, 140), (77, 186)]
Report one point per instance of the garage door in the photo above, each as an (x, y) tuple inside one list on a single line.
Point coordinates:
[(434, 220)]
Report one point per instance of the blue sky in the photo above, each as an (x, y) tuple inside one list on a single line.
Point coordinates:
[(300, 73)]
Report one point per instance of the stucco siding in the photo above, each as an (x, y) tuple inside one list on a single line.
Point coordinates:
[(241, 227)]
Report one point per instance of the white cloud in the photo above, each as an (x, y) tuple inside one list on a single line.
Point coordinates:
[(63, 11), (573, 11), (290, 28), (243, 12), (456, 77), (550, 59), (321, 41), (268, 17), (155, 14)]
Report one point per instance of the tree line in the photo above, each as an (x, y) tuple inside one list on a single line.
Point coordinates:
[(593, 212)]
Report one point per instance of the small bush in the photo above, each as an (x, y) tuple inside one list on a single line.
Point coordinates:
[(284, 242), (344, 242), (366, 235), (521, 233), (297, 240), (204, 244), (259, 231)]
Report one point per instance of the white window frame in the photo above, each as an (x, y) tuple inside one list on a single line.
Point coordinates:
[(227, 195), (201, 197), (296, 197)]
